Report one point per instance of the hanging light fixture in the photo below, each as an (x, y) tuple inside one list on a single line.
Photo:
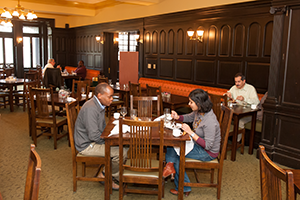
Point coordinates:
[(18, 13)]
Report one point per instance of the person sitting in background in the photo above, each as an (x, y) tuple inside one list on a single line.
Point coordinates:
[(205, 134), (51, 64), (243, 92), (81, 70)]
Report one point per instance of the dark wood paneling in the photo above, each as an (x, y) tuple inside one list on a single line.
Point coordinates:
[(268, 39), (149, 62), (205, 71), (251, 74), (98, 62), (226, 72), (212, 41), (225, 36), (155, 42), (287, 137), (147, 43), (171, 42), (90, 61), (166, 67), (238, 40), (184, 69), (180, 42), (253, 39), (162, 42)]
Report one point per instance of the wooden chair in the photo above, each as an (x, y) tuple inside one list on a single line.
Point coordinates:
[(153, 91), (145, 105), (239, 143), (225, 121), (33, 175), (139, 167), (41, 119), (28, 85), (40, 74), (20, 95), (78, 158), (271, 176), (135, 89), (4, 95), (218, 101), (90, 89), (77, 86), (102, 79)]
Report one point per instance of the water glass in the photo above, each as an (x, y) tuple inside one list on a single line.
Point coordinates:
[(133, 114), (123, 111)]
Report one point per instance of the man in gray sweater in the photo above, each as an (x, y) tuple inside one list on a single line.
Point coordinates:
[(89, 126)]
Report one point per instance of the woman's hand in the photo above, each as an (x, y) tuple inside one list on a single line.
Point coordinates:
[(187, 129), (174, 115)]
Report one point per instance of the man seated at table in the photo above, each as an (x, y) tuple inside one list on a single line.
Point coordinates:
[(243, 93), (81, 70), (51, 64), (89, 126)]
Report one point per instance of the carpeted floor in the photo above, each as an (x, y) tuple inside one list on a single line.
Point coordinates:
[(240, 178)]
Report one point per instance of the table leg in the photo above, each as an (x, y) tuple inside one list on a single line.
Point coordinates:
[(181, 170), (252, 132), (11, 100), (108, 178), (234, 137)]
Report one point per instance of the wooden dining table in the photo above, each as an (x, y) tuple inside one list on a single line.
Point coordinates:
[(11, 84), (169, 140), (239, 112)]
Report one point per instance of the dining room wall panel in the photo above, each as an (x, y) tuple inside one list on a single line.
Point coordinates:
[(180, 42), (171, 41), (162, 42), (205, 71), (147, 43), (238, 40), (225, 38), (90, 60), (98, 61), (149, 69), (253, 39), (252, 69), (154, 42), (212, 41), (226, 71), (268, 32), (166, 67), (184, 69)]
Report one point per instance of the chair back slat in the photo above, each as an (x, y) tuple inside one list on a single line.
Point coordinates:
[(154, 91), (33, 175), (102, 79), (217, 101), (271, 176), (144, 105)]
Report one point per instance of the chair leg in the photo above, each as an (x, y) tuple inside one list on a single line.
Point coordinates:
[(55, 130), (74, 176), (212, 174), (83, 169)]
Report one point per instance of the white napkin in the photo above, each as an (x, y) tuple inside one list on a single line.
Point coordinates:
[(159, 118), (83, 95), (70, 99), (115, 130), (90, 95), (189, 145)]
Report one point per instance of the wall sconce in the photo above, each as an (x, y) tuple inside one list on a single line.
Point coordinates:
[(98, 38), (116, 40), (19, 40), (199, 36), (137, 38)]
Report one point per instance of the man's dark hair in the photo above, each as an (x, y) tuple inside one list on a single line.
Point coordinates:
[(101, 88), (82, 61), (200, 97), (241, 75)]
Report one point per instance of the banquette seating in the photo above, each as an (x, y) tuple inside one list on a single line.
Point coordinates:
[(182, 89), (90, 73)]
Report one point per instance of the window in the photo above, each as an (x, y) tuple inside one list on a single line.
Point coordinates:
[(6, 29), (31, 47), (6, 51), (127, 42)]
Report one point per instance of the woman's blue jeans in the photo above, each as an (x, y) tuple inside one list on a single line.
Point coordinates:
[(197, 153)]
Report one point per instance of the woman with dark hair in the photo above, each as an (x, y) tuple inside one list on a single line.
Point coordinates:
[(205, 134)]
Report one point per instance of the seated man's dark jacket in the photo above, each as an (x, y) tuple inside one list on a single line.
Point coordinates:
[(52, 77)]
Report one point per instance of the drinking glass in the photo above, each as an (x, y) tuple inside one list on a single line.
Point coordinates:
[(123, 111), (168, 117), (133, 114), (82, 90)]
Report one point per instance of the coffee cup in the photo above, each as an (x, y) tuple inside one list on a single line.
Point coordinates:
[(116, 115), (176, 132), (253, 106)]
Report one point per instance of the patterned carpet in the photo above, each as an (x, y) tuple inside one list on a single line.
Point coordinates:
[(240, 178)]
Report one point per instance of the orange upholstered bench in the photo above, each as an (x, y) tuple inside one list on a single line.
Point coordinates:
[(182, 89), (90, 73)]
